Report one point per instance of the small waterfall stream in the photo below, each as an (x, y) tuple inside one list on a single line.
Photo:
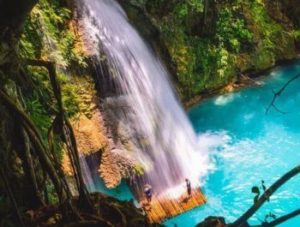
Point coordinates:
[(162, 138)]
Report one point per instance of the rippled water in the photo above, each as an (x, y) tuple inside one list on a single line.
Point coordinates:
[(257, 146), (247, 146)]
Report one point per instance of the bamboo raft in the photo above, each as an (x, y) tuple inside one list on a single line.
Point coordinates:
[(163, 207)]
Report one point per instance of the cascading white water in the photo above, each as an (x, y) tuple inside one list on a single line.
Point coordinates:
[(166, 144)]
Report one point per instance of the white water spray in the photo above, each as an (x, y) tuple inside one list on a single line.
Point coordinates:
[(166, 144)]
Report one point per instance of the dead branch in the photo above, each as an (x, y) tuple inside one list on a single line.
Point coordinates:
[(265, 196), (278, 93), (280, 220)]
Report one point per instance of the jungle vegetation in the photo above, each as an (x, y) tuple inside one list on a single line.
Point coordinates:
[(205, 44)]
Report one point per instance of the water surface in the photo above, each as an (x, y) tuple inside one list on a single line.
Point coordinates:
[(256, 146), (247, 146)]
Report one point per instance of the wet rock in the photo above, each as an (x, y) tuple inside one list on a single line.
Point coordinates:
[(90, 137), (115, 165), (89, 134), (212, 221)]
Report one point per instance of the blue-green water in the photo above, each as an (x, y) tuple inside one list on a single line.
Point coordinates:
[(247, 146)]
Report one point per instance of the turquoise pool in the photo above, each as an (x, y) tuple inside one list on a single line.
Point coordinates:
[(247, 146)]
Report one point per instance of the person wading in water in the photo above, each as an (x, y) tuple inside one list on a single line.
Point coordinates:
[(188, 187)]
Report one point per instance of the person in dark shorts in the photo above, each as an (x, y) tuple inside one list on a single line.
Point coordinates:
[(148, 192), (188, 187)]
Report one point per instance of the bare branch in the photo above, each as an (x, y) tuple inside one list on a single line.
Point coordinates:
[(280, 220), (278, 93), (265, 196)]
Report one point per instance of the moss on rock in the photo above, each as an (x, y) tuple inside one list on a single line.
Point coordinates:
[(210, 41)]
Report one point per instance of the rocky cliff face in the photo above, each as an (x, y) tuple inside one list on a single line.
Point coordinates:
[(48, 34), (97, 140), (207, 43), (115, 163)]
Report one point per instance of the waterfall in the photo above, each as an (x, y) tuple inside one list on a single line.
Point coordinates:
[(162, 138)]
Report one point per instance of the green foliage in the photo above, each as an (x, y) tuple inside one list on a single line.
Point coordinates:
[(41, 105), (264, 25), (273, 41), (53, 199), (69, 50), (38, 114), (203, 62), (297, 35), (31, 43), (39, 100), (184, 8), (181, 10), (206, 66), (70, 98), (48, 35), (196, 5), (231, 30), (263, 59), (222, 61), (244, 37), (180, 52)]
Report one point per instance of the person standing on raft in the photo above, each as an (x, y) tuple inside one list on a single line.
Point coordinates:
[(188, 187), (148, 192)]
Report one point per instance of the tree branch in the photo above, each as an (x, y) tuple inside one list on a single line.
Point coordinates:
[(265, 196), (66, 131), (37, 142), (280, 220), (278, 93), (11, 195)]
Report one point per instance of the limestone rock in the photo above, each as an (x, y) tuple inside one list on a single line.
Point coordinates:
[(115, 165), (90, 137), (89, 134)]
